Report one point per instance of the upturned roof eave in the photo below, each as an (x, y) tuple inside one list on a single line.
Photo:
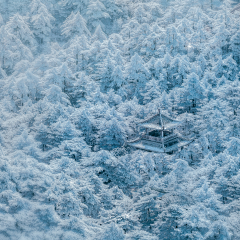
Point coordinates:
[(158, 127), (163, 115)]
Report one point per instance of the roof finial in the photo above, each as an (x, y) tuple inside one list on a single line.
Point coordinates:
[(160, 118)]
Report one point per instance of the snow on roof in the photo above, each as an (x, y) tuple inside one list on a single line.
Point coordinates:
[(164, 117), (139, 144), (158, 127)]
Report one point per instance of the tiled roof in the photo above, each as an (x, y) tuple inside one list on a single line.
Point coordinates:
[(154, 122), (158, 127), (144, 145), (156, 118)]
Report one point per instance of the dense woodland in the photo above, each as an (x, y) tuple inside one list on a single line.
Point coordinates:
[(76, 77)]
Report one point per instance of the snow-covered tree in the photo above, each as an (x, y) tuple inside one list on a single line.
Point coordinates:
[(218, 68), (118, 80), (19, 27), (55, 95), (70, 106), (153, 91), (137, 72), (74, 5), (74, 25), (113, 232), (235, 46), (192, 90), (230, 67), (66, 77), (96, 13), (99, 35), (141, 15), (42, 23), (221, 40), (112, 133), (105, 74)]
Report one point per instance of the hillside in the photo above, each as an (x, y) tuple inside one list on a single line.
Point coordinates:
[(76, 77)]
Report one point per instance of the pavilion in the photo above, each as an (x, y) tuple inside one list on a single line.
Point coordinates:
[(160, 135)]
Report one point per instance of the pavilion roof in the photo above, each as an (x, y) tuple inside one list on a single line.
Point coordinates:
[(167, 126), (154, 122), (138, 143)]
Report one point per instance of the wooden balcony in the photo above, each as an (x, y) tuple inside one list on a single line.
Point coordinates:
[(158, 139), (151, 138)]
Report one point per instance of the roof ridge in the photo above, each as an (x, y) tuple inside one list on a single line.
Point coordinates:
[(145, 120), (162, 114)]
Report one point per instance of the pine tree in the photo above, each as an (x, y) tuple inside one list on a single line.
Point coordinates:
[(183, 70), (22, 91), (95, 13), (166, 65), (119, 60), (1, 20), (221, 39), (66, 78), (185, 27), (111, 47), (151, 66), (99, 35), (113, 98), (112, 133), (35, 6), (105, 74), (40, 65), (235, 46), (19, 27), (230, 68), (174, 77), (201, 35), (218, 68), (74, 6), (12, 50), (113, 9), (113, 232), (80, 87), (52, 77), (74, 25), (137, 72), (78, 50), (192, 90), (42, 136), (158, 68), (195, 68), (55, 95), (34, 85), (164, 104), (2, 74), (95, 96), (153, 91), (42, 23), (141, 15), (163, 83), (86, 123), (118, 80), (202, 62)]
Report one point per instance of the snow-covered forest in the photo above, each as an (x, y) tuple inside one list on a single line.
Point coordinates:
[(76, 77)]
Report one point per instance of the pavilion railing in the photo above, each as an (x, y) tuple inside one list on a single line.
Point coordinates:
[(157, 139)]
